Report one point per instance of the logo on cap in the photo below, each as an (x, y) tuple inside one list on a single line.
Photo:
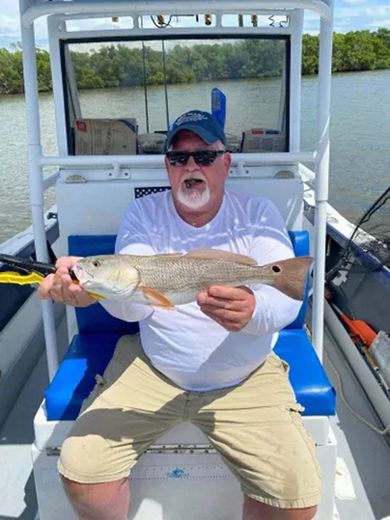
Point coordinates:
[(190, 117)]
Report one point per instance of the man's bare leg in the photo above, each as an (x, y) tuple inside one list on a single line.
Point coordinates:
[(255, 510), (105, 501)]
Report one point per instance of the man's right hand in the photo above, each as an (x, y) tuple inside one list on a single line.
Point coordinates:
[(61, 288)]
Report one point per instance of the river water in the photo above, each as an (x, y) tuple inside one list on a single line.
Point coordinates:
[(360, 135)]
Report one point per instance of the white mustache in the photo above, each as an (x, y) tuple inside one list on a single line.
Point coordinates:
[(194, 175)]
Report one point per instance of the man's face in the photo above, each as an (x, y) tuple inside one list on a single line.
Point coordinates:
[(197, 189)]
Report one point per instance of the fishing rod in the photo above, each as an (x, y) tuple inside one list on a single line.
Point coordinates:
[(27, 271)]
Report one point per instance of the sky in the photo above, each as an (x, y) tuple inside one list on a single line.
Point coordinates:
[(350, 15)]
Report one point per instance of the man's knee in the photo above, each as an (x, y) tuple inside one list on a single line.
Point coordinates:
[(255, 510), (103, 491), (106, 500)]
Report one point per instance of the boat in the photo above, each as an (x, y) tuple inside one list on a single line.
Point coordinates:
[(48, 353)]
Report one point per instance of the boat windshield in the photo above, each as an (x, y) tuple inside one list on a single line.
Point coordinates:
[(116, 89)]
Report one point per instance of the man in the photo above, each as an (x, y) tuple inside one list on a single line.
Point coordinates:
[(209, 361)]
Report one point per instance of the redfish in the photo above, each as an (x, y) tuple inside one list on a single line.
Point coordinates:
[(167, 280)]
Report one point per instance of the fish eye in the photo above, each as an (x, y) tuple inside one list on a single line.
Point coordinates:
[(276, 269), (96, 263)]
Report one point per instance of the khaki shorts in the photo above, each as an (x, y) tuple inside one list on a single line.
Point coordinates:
[(256, 427)]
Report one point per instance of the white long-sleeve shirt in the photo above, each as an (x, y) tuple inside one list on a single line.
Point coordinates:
[(188, 347)]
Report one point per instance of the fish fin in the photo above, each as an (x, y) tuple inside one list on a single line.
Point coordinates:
[(164, 307), (219, 254), (97, 297), (20, 279), (289, 276), (157, 299)]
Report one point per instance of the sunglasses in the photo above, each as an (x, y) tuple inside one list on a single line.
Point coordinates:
[(201, 157)]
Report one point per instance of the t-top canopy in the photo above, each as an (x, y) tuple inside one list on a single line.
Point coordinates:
[(33, 9)]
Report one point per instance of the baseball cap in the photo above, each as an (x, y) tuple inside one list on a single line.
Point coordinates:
[(201, 123)]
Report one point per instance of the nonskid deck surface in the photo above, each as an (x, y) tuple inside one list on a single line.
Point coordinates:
[(366, 454)]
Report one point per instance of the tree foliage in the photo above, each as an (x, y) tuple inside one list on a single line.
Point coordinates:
[(352, 51), (122, 66)]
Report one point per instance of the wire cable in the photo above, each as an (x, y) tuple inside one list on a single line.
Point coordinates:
[(163, 25)]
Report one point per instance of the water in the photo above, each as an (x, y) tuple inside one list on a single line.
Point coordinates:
[(360, 134)]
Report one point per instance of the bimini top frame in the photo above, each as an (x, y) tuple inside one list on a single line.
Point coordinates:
[(30, 10)]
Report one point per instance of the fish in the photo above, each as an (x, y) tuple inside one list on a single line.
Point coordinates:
[(167, 280)]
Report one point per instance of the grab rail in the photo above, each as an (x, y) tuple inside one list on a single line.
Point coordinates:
[(158, 160)]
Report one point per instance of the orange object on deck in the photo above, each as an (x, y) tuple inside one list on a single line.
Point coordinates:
[(358, 329)]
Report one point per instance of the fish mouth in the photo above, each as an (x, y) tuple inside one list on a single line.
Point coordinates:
[(82, 275)]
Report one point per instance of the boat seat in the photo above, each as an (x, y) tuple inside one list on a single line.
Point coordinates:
[(92, 348)]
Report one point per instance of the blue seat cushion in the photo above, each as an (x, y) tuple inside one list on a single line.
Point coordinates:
[(89, 354), (307, 376)]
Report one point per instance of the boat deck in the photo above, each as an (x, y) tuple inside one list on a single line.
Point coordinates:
[(366, 453)]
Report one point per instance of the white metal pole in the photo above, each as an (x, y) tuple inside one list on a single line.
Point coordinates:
[(57, 28), (322, 181), (295, 82), (36, 183)]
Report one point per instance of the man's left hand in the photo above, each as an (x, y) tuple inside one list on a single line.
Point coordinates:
[(231, 307)]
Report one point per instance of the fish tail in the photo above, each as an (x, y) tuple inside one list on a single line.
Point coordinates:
[(290, 276)]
